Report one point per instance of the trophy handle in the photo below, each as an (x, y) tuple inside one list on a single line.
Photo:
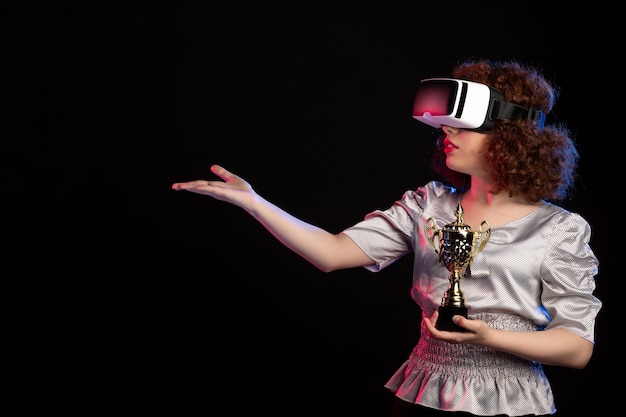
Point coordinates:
[(432, 232), (483, 236)]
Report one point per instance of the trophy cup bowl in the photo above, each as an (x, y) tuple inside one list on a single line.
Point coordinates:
[(457, 245)]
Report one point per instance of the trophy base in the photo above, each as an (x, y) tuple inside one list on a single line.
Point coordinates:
[(444, 321)]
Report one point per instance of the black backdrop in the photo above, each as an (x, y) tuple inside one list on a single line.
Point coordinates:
[(131, 296)]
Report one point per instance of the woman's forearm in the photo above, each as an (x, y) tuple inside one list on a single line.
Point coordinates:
[(325, 250), (557, 347)]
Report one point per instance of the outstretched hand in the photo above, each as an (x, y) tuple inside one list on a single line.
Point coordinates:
[(232, 189), (477, 330)]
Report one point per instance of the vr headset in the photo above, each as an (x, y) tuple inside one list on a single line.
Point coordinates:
[(466, 105)]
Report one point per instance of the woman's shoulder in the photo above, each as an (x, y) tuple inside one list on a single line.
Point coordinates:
[(560, 214), (558, 222), (432, 198), (434, 190)]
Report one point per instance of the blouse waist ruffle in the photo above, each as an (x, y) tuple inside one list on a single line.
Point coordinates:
[(474, 379)]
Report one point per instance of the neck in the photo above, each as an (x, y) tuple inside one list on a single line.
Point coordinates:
[(497, 209), (478, 193)]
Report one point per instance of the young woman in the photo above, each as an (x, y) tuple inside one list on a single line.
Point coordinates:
[(529, 291)]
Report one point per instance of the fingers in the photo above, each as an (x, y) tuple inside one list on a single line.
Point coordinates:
[(471, 326), (218, 170), (223, 173), (431, 322), (434, 318), (190, 185), (459, 321), (453, 336)]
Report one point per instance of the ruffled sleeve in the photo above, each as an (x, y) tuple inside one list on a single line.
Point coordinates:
[(387, 235), (568, 277)]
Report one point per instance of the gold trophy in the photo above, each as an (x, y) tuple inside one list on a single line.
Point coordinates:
[(457, 245)]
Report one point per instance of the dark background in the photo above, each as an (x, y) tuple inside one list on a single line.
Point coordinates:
[(125, 295)]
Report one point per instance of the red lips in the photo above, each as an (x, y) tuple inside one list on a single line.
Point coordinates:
[(448, 146)]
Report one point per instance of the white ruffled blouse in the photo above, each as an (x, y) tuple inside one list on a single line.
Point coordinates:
[(536, 272)]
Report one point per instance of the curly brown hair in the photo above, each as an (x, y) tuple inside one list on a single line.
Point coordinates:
[(522, 158)]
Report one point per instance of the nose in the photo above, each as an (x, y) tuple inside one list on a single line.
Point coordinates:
[(449, 130)]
